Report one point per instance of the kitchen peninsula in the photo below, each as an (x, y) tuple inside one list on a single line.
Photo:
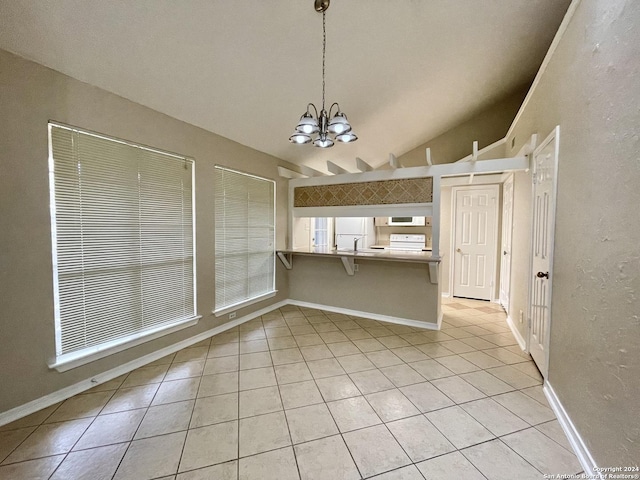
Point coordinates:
[(388, 285), (402, 289)]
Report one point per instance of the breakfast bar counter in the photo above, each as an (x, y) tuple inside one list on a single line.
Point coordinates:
[(384, 284), (367, 253)]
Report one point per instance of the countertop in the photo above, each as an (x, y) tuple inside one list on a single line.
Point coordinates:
[(380, 247), (369, 254)]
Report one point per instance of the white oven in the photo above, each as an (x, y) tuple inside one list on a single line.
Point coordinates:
[(406, 221), (406, 242)]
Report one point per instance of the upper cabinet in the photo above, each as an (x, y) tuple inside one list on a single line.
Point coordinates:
[(384, 222)]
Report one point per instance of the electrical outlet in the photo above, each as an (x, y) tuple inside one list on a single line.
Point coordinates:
[(232, 315), (521, 316)]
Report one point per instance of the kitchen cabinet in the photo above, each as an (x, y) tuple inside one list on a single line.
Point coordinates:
[(384, 221)]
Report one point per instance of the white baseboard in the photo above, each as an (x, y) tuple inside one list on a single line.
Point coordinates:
[(67, 392), (445, 295), (373, 316), (516, 333), (579, 447)]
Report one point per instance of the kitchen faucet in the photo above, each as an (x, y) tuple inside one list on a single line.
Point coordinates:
[(355, 243)]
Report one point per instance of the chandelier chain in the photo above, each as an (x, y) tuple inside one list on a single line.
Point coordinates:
[(328, 126), (324, 48)]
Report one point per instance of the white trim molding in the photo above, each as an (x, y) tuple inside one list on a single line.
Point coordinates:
[(70, 361), (373, 316), (244, 303), (516, 333), (577, 443), (67, 392), (543, 67)]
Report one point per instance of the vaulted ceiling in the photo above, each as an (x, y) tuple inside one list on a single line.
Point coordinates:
[(404, 71)]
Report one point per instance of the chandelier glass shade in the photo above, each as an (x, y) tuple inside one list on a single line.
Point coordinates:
[(323, 128)]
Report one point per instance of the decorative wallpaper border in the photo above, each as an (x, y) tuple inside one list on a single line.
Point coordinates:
[(385, 192)]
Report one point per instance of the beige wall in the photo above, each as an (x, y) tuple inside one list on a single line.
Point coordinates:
[(520, 251), (486, 127), (591, 88), (30, 95), (397, 289)]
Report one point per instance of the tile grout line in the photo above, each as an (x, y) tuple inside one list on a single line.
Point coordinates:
[(35, 428), (336, 358), (75, 443), (66, 455), (193, 408), (284, 413), (115, 472), (238, 409), (340, 433)]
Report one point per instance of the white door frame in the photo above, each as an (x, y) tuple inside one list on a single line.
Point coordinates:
[(554, 135), (510, 179), (454, 190)]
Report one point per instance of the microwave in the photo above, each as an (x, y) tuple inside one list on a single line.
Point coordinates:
[(406, 221)]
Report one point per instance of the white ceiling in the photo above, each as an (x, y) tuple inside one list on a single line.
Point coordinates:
[(404, 71)]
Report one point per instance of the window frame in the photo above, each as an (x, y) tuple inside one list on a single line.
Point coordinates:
[(218, 312), (66, 361)]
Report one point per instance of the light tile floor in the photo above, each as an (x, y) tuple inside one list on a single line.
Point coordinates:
[(306, 394)]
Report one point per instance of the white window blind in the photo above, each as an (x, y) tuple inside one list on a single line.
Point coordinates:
[(245, 237), (123, 240)]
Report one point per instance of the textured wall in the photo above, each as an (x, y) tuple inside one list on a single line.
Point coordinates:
[(397, 289), (486, 127), (520, 248), (591, 88), (30, 95)]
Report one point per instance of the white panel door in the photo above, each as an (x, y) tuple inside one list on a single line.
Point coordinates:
[(475, 245), (507, 235), (545, 167)]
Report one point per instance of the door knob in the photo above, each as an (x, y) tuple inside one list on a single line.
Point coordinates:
[(458, 250), (543, 275), (504, 252)]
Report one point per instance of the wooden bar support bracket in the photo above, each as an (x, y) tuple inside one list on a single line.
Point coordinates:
[(349, 265), (286, 259), (433, 273)]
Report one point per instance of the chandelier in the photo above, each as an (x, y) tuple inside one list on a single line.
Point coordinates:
[(312, 123)]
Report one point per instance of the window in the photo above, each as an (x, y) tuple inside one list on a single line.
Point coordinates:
[(123, 241), (245, 238), (322, 232)]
